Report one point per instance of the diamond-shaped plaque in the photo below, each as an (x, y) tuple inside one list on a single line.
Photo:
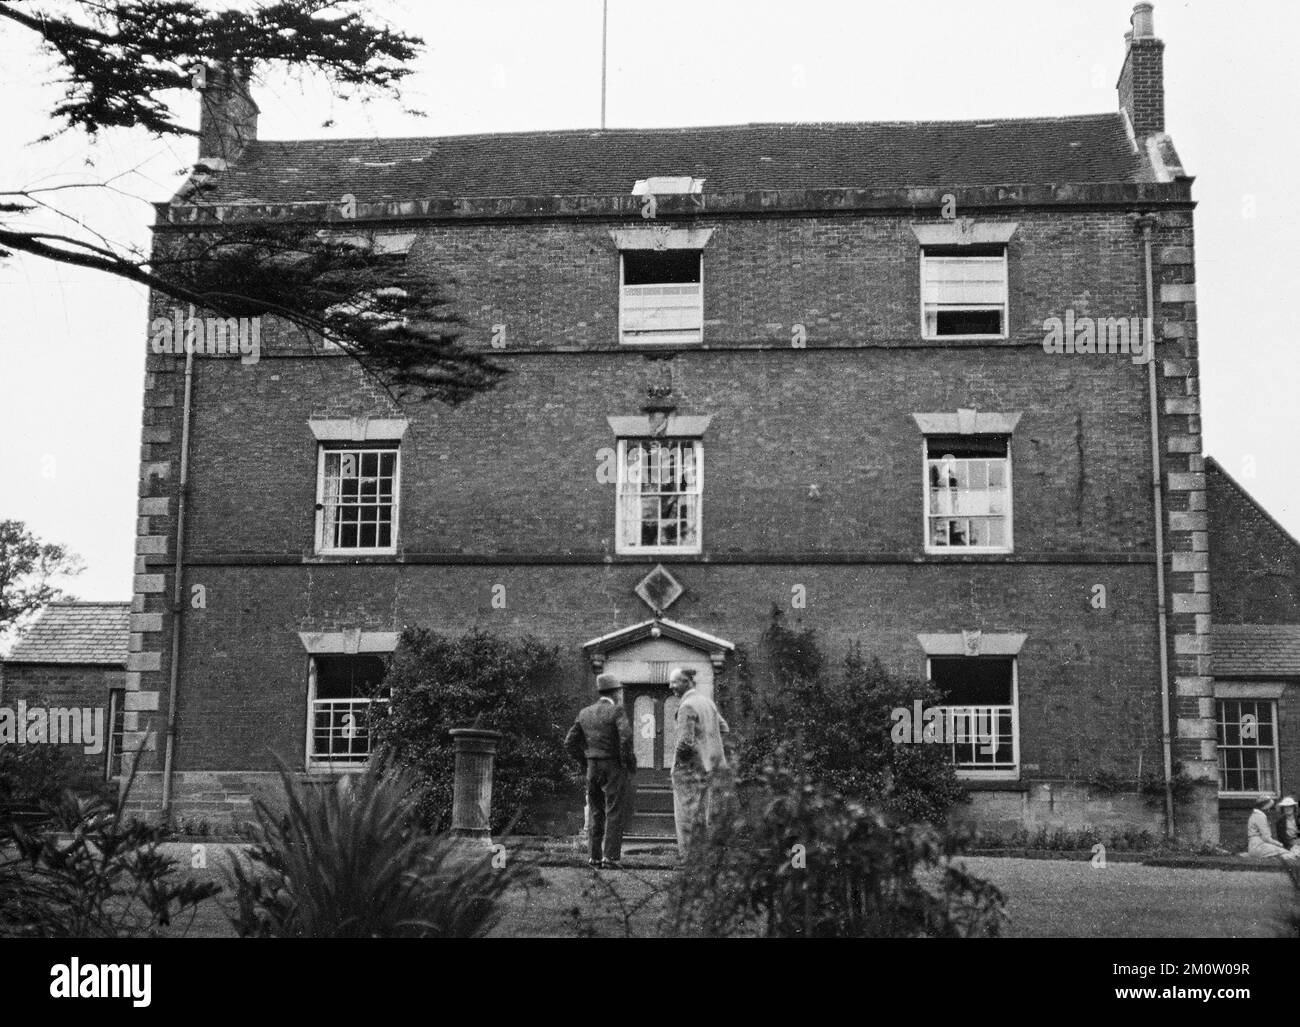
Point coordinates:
[(659, 589)]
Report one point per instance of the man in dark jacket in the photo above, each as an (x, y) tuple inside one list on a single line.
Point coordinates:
[(601, 741)]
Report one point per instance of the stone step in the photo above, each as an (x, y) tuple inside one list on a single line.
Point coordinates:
[(653, 800), (651, 825), (651, 843)]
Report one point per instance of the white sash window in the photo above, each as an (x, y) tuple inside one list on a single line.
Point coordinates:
[(660, 495)]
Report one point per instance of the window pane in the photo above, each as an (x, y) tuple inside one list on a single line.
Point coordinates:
[(964, 295), (358, 492), (1247, 761), (967, 482), (661, 267), (665, 514)]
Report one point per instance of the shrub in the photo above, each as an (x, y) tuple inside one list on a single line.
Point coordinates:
[(352, 860), (836, 727), (502, 684), (87, 873), (1182, 784), (804, 861), (38, 775), (1107, 782)]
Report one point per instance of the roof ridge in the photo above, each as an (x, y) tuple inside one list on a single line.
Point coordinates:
[(685, 129), (88, 602)]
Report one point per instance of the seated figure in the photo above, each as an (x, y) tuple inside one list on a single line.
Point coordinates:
[(1260, 843)]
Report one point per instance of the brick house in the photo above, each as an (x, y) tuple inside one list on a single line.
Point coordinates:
[(1255, 566), (73, 656), (844, 325)]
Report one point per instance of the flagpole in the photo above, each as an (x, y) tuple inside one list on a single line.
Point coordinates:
[(604, 35)]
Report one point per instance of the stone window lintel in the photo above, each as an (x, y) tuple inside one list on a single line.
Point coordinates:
[(967, 422), (358, 429)]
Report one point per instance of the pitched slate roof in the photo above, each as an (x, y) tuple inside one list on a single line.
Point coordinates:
[(76, 632), (1083, 149), (1256, 650)]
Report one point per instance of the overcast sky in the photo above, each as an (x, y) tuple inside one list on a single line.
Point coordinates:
[(72, 344)]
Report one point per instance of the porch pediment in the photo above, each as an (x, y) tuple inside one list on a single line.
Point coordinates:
[(598, 650)]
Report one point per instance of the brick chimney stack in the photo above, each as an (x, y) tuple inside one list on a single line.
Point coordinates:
[(1142, 81), (227, 115)]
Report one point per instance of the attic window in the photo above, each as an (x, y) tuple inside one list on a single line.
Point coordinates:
[(661, 296), (964, 292), (662, 185)]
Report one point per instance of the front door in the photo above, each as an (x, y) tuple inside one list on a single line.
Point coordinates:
[(652, 709)]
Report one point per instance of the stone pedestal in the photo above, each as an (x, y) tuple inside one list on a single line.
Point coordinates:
[(471, 808)]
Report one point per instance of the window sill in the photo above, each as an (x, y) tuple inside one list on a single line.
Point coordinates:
[(349, 553), (660, 551), (967, 551), (336, 768), (993, 777), (964, 338)]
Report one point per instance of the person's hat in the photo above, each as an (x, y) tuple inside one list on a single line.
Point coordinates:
[(608, 683), (1264, 799), (1288, 801)]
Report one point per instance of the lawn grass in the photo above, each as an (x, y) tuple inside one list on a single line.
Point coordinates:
[(1045, 899), (1064, 899)]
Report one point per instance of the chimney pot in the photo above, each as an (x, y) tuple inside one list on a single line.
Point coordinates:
[(1143, 21)]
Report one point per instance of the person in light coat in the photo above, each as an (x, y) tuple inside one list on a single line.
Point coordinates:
[(700, 770), (1260, 843)]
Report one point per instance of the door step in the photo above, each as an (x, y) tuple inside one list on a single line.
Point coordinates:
[(653, 799), (651, 825)]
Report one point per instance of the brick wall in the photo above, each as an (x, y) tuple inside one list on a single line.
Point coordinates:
[(1254, 562), (504, 488), (65, 686), (1255, 565)]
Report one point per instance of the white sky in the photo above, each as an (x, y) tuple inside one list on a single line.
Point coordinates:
[(72, 344)]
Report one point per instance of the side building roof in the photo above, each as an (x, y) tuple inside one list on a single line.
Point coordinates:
[(77, 633)]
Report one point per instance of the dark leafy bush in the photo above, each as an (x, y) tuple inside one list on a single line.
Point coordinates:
[(1108, 782), (86, 872), (835, 724), (1122, 838), (38, 775), (1182, 784), (352, 860), (511, 685), (800, 860)]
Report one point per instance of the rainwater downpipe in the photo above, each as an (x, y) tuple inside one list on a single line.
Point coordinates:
[(1147, 222), (178, 589)]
